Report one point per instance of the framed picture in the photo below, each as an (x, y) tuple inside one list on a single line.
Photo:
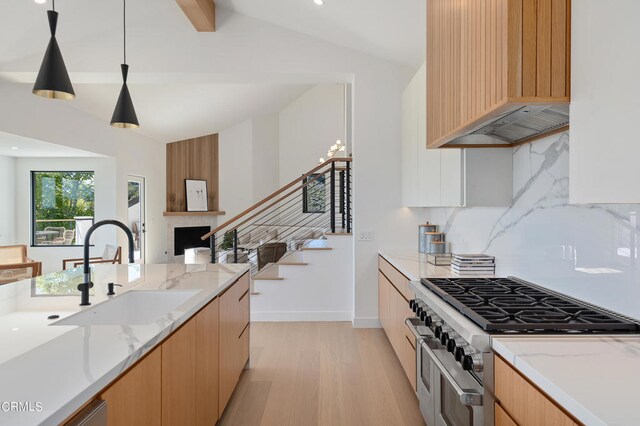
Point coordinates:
[(197, 198), (314, 194)]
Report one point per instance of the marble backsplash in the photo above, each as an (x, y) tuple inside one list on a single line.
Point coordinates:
[(587, 251)]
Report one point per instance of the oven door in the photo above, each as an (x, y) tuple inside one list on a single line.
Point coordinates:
[(457, 395), (424, 370)]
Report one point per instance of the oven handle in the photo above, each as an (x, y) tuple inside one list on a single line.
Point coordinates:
[(466, 397)]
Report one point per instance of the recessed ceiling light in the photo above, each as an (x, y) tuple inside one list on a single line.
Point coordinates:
[(319, 2), (40, 1), (14, 147)]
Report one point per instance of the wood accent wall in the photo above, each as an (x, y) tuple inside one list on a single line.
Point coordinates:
[(484, 56), (192, 159)]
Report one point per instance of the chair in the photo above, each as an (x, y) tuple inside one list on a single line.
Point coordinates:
[(66, 239), (270, 253), (16, 266), (111, 255)]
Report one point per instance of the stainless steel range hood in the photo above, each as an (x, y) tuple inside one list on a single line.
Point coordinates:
[(516, 126)]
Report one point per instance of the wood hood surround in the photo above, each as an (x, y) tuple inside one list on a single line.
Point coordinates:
[(487, 58)]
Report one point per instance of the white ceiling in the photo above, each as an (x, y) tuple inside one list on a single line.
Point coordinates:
[(28, 147), (171, 112), (186, 84), (390, 29)]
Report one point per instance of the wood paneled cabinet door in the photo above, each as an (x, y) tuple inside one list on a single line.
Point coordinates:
[(383, 301), (234, 337), (207, 346), (135, 398), (179, 377), (489, 57)]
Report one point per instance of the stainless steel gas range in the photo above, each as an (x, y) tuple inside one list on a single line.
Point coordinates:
[(453, 324)]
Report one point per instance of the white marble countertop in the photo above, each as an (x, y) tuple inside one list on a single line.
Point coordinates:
[(593, 378), (61, 367), (414, 265)]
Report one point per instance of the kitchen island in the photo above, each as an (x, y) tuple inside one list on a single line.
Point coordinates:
[(53, 370)]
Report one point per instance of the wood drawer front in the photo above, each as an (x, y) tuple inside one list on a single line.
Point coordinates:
[(244, 347), (399, 281), (524, 403), (409, 357), (502, 418), (243, 311), (242, 285)]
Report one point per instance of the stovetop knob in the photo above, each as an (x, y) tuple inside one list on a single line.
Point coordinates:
[(459, 353), (428, 321), (444, 338), (467, 362), (437, 331), (412, 304), (451, 345)]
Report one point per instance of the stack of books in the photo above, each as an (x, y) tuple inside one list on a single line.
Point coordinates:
[(473, 264)]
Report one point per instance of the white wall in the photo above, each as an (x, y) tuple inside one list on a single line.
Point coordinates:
[(8, 197), (58, 122), (266, 150), (308, 127), (235, 150), (105, 205)]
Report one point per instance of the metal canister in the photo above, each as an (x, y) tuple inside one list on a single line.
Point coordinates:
[(423, 230), (437, 247)]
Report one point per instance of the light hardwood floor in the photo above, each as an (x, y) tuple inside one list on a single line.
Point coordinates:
[(321, 374)]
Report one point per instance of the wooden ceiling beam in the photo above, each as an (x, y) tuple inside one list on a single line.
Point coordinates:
[(201, 13)]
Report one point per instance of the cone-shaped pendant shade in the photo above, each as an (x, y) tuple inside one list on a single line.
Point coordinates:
[(53, 80), (124, 116)]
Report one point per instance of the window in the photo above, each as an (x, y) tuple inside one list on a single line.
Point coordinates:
[(63, 206), (314, 194)]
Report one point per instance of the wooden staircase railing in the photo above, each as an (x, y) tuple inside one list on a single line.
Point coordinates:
[(329, 184)]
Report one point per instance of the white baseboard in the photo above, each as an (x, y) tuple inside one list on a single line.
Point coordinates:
[(295, 316), (366, 323)]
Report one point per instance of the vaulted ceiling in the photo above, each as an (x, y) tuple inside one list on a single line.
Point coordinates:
[(186, 83)]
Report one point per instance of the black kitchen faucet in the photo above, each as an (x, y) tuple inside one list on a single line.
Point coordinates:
[(87, 284)]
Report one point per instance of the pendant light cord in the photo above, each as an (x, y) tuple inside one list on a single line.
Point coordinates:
[(54, 5), (124, 20)]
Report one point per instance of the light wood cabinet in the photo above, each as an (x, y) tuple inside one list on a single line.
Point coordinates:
[(408, 359), (488, 57), (449, 177), (179, 377), (135, 399), (502, 418), (383, 300), (393, 309), (207, 348), (522, 402), (234, 337), (190, 377)]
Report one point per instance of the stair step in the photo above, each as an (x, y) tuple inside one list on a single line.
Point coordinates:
[(316, 248), (339, 233), (293, 263), (268, 278)]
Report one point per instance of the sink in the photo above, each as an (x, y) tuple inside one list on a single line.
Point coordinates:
[(135, 307)]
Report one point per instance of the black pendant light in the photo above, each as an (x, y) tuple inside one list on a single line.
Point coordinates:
[(124, 116), (53, 80)]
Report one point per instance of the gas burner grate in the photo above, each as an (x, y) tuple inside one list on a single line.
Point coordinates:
[(502, 305)]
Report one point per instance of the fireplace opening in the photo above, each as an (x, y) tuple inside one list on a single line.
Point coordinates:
[(189, 237)]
